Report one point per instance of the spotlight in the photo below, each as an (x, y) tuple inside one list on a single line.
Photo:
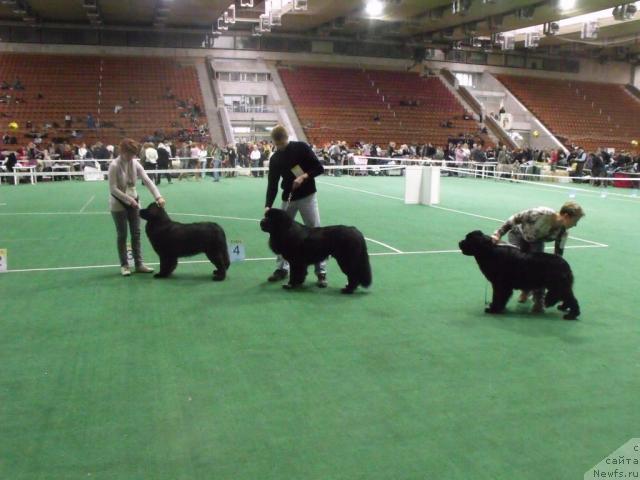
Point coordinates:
[(564, 5), (230, 14), (525, 13), (509, 42), (374, 8), (550, 28), (264, 25), (532, 40), (624, 12), (589, 30), (460, 7)]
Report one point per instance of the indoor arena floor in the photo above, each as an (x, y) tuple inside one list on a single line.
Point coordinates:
[(130, 378)]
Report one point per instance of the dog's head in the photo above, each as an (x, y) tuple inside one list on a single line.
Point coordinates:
[(475, 243), (275, 220), (154, 213)]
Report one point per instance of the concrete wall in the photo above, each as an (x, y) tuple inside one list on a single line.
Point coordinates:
[(636, 77)]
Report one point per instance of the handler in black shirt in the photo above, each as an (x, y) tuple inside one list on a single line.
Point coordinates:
[(297, 165)]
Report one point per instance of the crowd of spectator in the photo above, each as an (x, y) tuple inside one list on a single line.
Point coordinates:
[(193, 150)]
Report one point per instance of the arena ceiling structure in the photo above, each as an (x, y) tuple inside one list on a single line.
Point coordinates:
[(609, 29)]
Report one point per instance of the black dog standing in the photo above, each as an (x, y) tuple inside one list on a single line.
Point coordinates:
[(508, 268), (172, 240), (302, 246)]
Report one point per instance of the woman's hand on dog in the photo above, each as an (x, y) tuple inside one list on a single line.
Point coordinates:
[(160, 202), (494, 238)]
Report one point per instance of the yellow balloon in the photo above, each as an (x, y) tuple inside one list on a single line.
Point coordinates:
[(13, 125), (634, 143), (536, 133)]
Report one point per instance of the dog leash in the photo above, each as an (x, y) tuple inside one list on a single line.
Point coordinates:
[(286, 206)]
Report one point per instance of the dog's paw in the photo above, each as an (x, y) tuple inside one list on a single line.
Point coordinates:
[(347, 290), (491, 310), (570, 316), (160, 275), (563, 307), (289, 286), (218, 277)]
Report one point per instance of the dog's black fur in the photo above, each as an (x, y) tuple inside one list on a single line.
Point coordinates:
[(302, 246), (508, 268), (171, 240)]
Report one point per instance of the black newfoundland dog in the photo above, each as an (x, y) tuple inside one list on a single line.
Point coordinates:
[(302, 246), (508, 268), (171, 240)]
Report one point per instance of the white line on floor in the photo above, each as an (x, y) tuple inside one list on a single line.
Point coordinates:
[(384, 245), (87, 204), (455, 211), (257, 259)]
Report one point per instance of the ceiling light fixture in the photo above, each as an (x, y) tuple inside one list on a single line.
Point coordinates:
[(564, 5), (374, 8)]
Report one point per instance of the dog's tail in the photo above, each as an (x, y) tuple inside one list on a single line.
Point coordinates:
[(365, 274)]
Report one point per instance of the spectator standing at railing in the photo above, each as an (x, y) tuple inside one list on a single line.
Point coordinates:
[(334, 156), (202, 158), (149, 158), (477, 154), (164, 162), (553, 159), (232, 158), (217, 156), (243, 154), (82, 151), (194, 159), (124, 203), (460, 155), (255, 159)]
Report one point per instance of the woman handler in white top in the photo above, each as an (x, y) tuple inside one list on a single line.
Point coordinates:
[(123, 203)]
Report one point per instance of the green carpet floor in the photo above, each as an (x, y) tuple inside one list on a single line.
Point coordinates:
[(137, 378)]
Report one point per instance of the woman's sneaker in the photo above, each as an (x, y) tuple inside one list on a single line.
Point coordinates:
[(322, 280), (538, 306), (142, 268), (125, 271), (278, 275)]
